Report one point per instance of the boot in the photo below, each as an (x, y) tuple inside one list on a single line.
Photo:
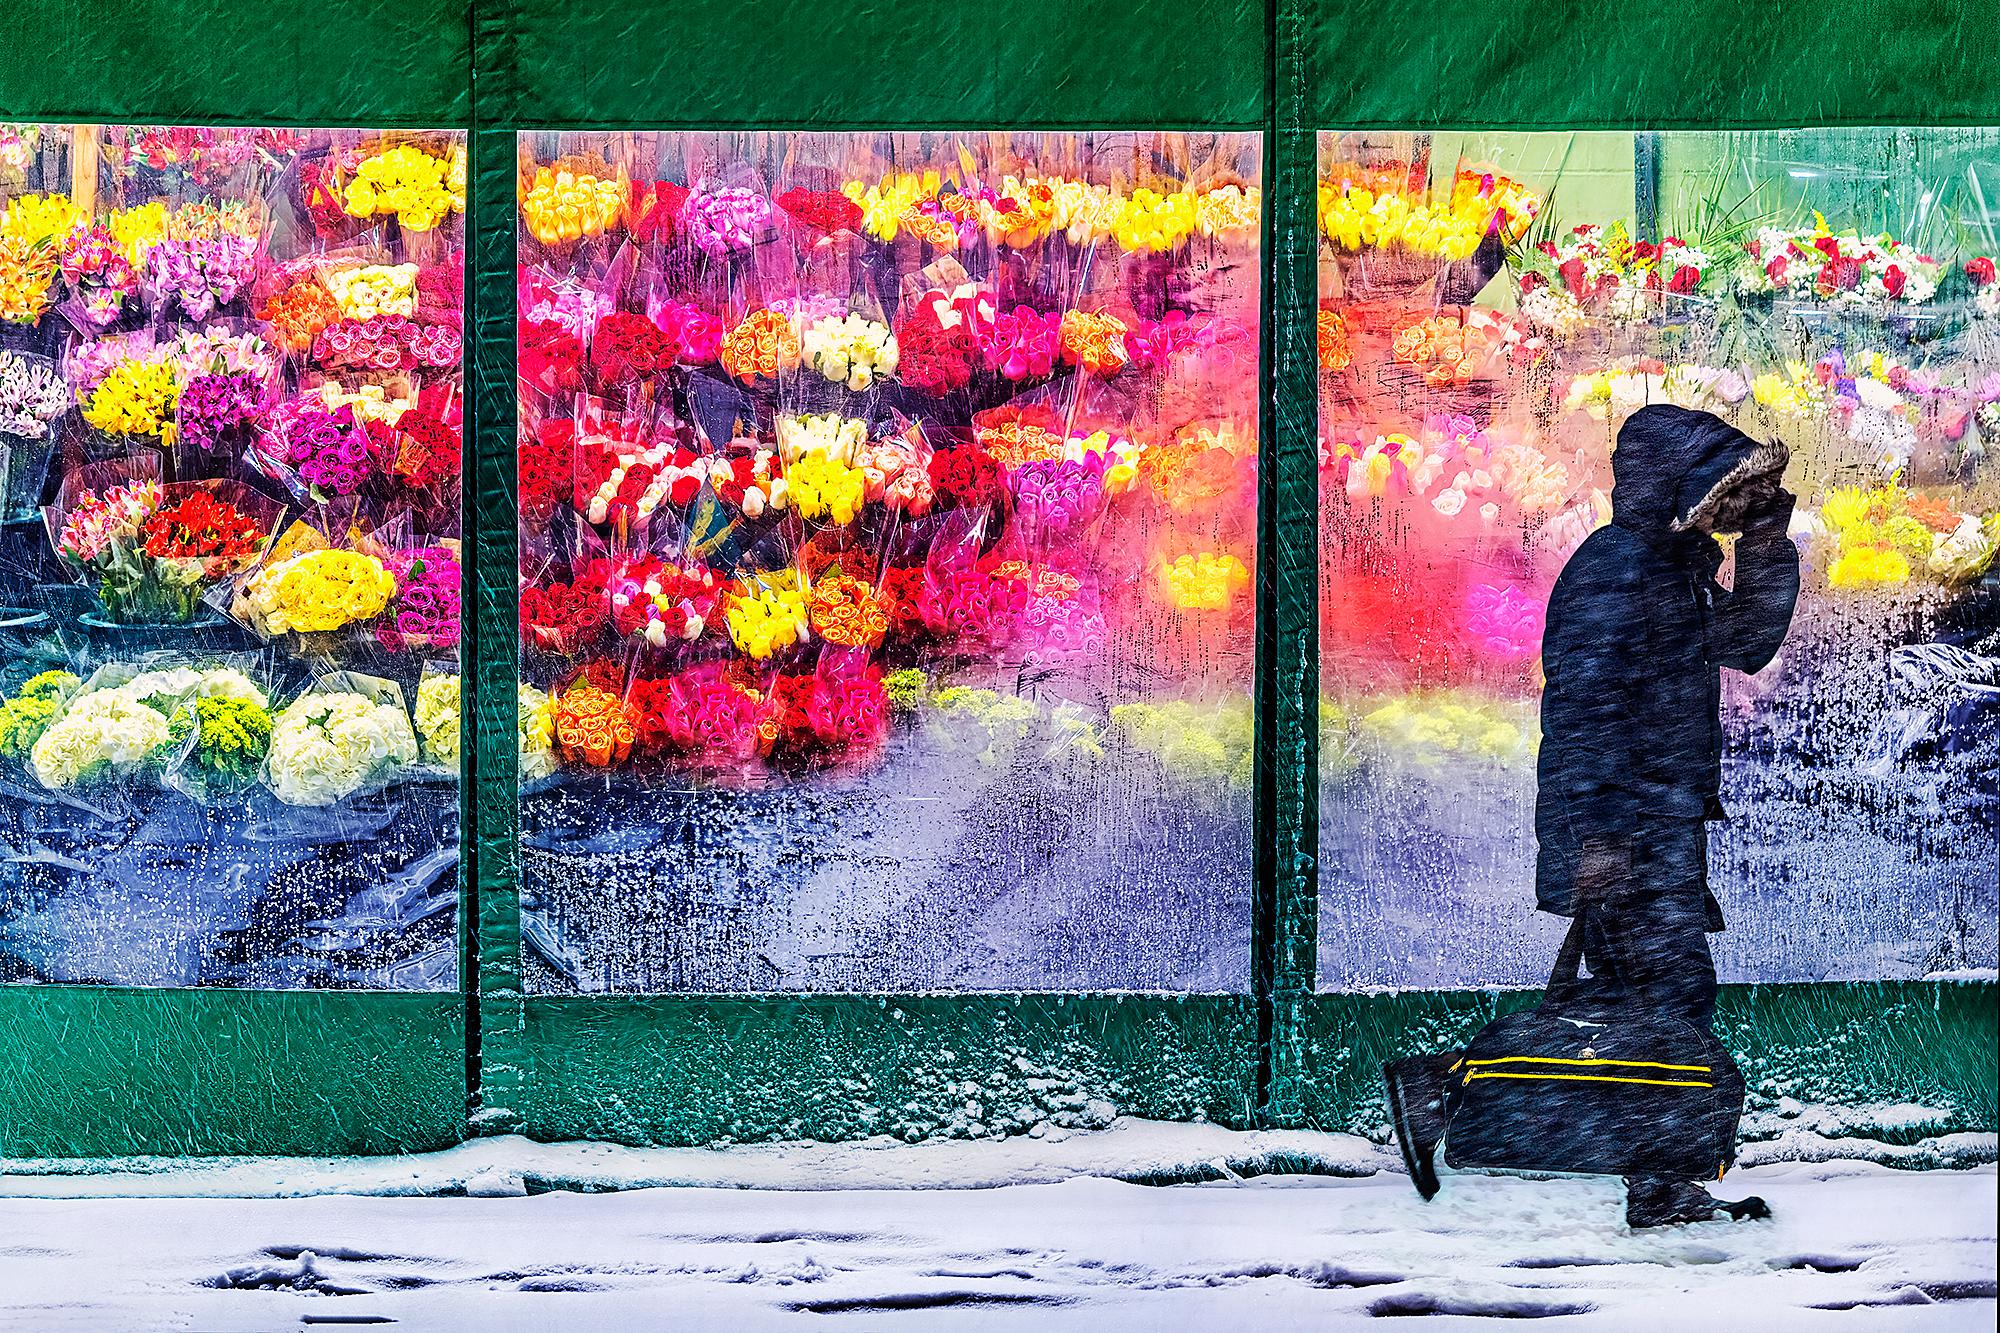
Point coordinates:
[(1416, 1090), (1653, 1202)]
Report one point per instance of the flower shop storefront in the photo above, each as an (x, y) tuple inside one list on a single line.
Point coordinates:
[(579, 603)]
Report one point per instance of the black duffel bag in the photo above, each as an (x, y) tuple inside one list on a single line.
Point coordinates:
[(1593, 1080)]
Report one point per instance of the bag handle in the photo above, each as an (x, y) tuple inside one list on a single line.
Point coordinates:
[(1563, 981)]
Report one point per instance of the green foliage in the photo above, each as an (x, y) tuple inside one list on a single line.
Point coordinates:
[(27, 715), (235, 735)]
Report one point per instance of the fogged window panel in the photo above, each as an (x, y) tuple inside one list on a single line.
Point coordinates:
[(230, 442), (887, 536), (1493, 307)]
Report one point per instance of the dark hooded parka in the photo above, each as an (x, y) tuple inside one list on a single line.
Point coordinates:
[(1638, 631)]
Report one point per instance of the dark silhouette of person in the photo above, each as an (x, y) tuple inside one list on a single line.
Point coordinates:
[(1630, 769)]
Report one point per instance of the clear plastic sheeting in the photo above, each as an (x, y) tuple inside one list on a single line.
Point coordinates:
[(888, 525), (230, 458), (1493, 308)]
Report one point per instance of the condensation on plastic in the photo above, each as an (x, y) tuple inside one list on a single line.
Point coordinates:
[(964, 855), (1860, 842)]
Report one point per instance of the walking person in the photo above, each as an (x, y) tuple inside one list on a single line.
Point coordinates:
[(1630, 768)]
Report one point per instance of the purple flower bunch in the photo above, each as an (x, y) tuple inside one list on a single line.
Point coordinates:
[(200, 275), (328, 449), (1055, 499), (214, 408), (427, 600), (725, 219)]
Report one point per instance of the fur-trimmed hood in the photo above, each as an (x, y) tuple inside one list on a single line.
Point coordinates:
[(1674, 464)]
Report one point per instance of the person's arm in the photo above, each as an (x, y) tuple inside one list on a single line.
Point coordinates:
[(1753, 614)]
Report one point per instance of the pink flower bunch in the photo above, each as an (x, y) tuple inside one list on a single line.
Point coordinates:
[(1056, 627), (957, 597), (96, 520), (577, 309), (695, 334), (896, 476), (96, 269), (1151, 344), (387, 343), (1503, 622), (711, 717), (1022, 343), (200, 275), (426, 614), (725, 220), (848, 711)]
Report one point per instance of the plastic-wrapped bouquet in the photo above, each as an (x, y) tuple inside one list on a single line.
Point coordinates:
[(314, 591), (32, 395), (1846, 269), (120, 723), (152, 552), (1603, 272), (27, 713), (346, 734)]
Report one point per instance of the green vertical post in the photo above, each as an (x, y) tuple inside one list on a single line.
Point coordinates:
[(497, 1026), (1286, 913)]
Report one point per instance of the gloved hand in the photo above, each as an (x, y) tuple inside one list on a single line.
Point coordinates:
[(1771, 513)]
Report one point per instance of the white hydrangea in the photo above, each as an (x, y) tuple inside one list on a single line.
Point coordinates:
[(327, 746)]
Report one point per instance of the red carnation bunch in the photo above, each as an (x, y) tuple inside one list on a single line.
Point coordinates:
[(823, 211), (628, 347), (966, 476)]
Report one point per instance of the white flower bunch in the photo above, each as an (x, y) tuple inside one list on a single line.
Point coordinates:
[(102, 731), (850, 350), (837, 436), (327, 746), (32, 395)]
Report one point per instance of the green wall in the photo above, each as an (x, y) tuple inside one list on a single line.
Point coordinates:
[(97, 1072)]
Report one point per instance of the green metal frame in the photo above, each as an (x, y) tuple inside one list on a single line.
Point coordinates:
[(104, 1072)]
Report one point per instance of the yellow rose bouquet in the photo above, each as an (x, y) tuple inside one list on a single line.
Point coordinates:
[(307, 585)]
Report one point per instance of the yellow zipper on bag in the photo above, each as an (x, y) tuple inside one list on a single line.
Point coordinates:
[(1558, 1060), (1589, 1078)]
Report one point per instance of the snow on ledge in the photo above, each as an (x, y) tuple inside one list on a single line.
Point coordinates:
[(1129, 1149), (1144, 1151)]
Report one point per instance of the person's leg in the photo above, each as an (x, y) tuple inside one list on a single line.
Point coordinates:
[(1656, 945), (1653, 939)]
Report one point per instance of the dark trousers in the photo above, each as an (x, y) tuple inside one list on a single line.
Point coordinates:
[(1652, 934)]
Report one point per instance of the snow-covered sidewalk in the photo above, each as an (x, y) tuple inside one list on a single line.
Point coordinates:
[(1854, 1246)]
